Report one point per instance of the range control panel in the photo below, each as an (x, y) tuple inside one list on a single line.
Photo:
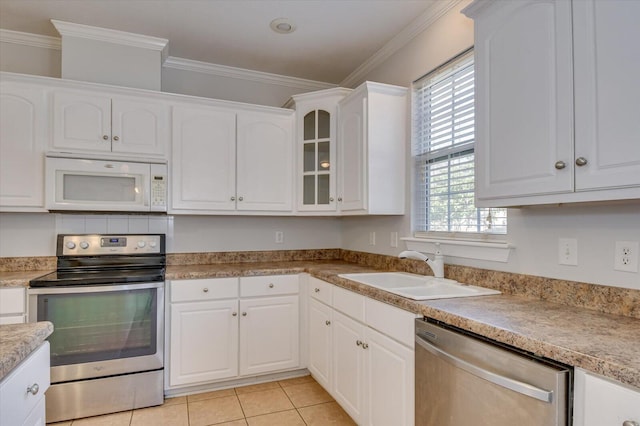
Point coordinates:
[(95, 244)]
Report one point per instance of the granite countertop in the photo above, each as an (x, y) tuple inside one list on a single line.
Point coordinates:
[(602, 343), (20, 278), (17, 341)]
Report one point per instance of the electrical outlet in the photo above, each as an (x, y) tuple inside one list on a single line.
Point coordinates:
[(372, 238), (394, 239), (279, 237), (568, 251), (626, 256)]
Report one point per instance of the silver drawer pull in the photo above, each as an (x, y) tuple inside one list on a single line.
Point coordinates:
[(33, 389), (235, 314), (630, 423), (365, 346), (105, 137), (317, 290), (560, 165), (327, 322), (206, 290), (358, 342), (271, 285), (581, 161), (244, 314)]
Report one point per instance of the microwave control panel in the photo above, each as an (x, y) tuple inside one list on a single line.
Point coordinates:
[(158, 192)]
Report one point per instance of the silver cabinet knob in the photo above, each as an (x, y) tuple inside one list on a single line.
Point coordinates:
[(339, 198), (358, 342), (331, 199), (581, 161), (327, 322), (630, 423), (560, 165), (240, 198), (205, 290), (244, 314), (235, 314), (317, 290), (365, 346), (271, 285), (105, 137), (233, 198), (115, 138), (33, 389)]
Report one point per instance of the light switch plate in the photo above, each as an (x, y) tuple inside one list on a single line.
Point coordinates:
[(568, 251)]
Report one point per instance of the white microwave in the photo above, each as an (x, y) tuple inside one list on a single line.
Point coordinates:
[(109, 186)]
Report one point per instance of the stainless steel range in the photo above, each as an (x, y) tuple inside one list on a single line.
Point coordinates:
[(106, 302)]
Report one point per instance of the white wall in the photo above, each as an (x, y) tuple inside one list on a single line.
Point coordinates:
[(533, 231), (30, 60), (34, 234)]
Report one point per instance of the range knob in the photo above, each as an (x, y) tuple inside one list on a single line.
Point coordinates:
[(70, 245), (141, 244), (84, 245), (153, 244)]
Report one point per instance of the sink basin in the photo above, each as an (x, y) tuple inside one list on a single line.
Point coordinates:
[(418, 287)]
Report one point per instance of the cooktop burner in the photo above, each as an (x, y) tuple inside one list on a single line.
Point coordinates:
[(92, 259)]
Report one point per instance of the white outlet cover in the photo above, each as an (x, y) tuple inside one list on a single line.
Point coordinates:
[(626, 256)]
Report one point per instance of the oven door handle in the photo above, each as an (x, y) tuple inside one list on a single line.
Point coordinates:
[(506, 382), (93, 288)]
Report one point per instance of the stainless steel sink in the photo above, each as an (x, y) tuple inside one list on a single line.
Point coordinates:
[(418, 287)]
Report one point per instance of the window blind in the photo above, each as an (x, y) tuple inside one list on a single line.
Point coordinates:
[(443, 144)]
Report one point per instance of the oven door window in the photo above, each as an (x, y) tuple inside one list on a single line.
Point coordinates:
[(100, 326)]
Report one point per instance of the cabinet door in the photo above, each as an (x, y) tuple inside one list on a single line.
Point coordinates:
[(320, 346), (349, 384), (269, 334), (352, 116), (390, 372), (607, 65), (81, 122), (599, 401), (23, 114), (265, 162), (139, 127), (524, 108), (204, 341), (203, 173)]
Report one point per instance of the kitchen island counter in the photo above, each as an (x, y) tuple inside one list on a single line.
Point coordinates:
[(17, 341)]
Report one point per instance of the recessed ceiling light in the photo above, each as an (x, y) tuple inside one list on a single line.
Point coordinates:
[(283, 26)]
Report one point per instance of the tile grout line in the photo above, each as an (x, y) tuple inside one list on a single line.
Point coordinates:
[(244, 415), (294, 406)]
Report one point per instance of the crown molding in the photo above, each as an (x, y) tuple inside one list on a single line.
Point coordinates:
[(111, 36), (28, 39), (419, 25), (244, 74)]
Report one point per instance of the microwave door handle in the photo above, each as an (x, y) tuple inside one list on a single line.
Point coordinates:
[(146, 192)]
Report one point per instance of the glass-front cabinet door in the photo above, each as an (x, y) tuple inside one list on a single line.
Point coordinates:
[(316, 115)]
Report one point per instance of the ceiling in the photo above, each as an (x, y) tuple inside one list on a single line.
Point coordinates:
[(332, 37)]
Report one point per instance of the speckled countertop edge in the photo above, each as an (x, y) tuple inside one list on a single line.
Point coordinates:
[(17, 341), (602, 343)]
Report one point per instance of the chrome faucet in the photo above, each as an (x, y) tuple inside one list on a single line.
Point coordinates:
[(436, 265)]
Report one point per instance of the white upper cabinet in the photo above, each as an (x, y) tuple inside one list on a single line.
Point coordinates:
[(23, 141), (227, 160), (316, 159), (203, 166), (607, 95), (371, 154), (553, 119), (265, 161), (96, 122)]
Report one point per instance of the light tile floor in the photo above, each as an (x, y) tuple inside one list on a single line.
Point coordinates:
[(293, 402)]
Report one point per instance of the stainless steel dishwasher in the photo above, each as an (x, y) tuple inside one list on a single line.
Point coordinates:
[(462, 380)]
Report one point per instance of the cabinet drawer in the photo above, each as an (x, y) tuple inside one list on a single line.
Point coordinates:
[(320, 290), (349, 303), (16, 403), (12, 301), (268, 285), (204, 289), (394, 322)]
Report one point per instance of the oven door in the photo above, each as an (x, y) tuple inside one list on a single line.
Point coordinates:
[(101, 330)]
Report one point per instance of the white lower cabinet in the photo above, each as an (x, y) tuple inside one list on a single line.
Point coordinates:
[(599, 401), (12, 305), (22, 391), (269, 334), (223, 328), (369, 371)]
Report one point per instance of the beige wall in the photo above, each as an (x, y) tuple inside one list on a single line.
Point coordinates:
[(30, 60)]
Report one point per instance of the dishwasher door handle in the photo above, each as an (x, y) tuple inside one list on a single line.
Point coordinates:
[(505, 382)]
